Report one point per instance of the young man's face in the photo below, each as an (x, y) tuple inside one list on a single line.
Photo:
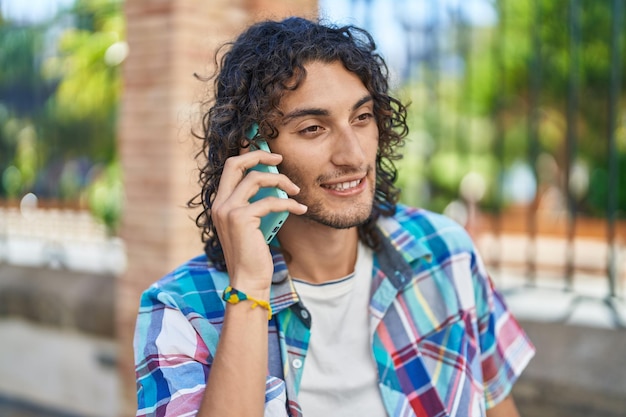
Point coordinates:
[(329, 139)]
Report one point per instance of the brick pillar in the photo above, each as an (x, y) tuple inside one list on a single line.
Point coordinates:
[(169, 40)]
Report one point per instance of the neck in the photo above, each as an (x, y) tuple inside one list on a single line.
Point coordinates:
[(318, 253)]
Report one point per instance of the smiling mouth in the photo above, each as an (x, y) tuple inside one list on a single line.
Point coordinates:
[(343, 186)]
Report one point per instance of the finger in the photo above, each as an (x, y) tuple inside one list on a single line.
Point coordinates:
[(236, 168), (268, 205), (233, 221), (255, 180)]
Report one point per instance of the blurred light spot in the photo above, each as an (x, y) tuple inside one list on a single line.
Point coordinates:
[(457, 211), (520, 186), (116, 53), (579, 180), (473, 187), (547, 169), (28, 204)]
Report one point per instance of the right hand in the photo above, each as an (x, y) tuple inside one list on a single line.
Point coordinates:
[(248, 258)]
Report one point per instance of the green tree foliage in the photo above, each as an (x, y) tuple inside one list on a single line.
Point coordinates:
[(543, 73), (60, 86), (81, 114), (566, 47), (22, 96)]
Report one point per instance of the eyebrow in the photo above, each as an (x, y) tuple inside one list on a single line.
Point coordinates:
[(315, 111), (365, 99)]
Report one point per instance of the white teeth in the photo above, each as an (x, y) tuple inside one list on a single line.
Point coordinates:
[(344, 185)]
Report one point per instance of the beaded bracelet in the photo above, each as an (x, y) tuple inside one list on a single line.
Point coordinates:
[(234, 296)]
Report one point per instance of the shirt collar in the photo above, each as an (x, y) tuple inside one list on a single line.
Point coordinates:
[(282, 292), (399, 249), (404, 242)]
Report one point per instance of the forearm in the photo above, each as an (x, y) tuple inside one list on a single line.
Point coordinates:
[(236, 383), (505, 408)]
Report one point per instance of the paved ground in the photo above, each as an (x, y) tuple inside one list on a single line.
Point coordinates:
[(56, 369), (580, 335)]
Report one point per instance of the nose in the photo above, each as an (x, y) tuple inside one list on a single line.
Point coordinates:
[(348, 148)]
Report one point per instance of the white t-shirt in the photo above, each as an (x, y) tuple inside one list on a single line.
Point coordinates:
[(339, 376)]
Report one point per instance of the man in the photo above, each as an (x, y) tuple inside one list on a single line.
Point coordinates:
[(363, 307)]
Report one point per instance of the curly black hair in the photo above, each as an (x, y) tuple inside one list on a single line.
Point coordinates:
[(255, 71)]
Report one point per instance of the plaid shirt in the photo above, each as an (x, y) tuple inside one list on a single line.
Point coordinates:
[(443, 340)]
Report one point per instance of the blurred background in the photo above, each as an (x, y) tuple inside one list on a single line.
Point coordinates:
[(518, 132)]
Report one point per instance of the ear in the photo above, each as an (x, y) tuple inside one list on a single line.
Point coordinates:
[(244, 149), (251, 133)]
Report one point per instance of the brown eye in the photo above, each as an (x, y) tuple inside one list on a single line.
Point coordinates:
[(364, 117), (310, 130)]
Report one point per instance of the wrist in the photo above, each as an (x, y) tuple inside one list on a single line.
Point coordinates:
[(257, 288), (235, 296)]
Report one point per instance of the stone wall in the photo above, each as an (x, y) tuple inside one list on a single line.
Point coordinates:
[(57, 343), (59, 298), (578, 371)]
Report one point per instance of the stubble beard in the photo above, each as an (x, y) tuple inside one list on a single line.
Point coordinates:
[(357, 214)]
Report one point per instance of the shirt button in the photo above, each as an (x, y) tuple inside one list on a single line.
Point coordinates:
[(296, 363), (304, 314)]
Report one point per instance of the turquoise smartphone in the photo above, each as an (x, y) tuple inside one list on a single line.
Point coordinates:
[(271, 223)]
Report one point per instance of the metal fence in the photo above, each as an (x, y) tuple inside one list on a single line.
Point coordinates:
[(518, 124)]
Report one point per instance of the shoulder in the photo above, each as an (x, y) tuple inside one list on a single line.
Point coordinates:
[(428, 226), (407, 215), (187, 287)]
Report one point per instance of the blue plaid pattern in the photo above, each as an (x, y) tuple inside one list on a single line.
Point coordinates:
[(444, 341)]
